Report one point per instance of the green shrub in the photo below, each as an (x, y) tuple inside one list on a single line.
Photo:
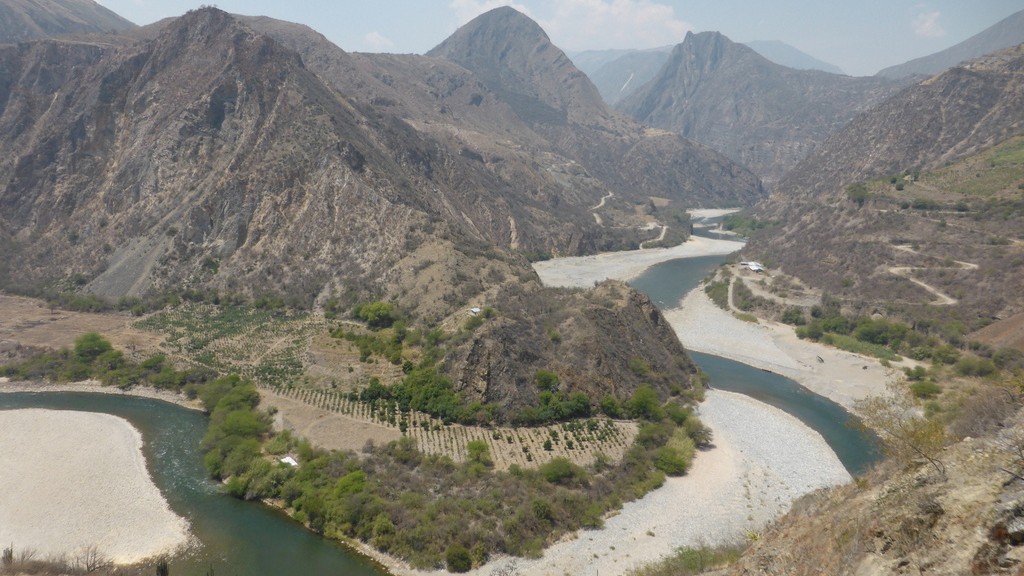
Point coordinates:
[(560, 471), (925, 389), (89, 346), (794, 315), (644, 404), (973, 366), (376, 314)]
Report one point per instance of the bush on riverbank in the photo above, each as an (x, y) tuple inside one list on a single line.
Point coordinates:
[(94, 357), (420, 507), (395, 498)]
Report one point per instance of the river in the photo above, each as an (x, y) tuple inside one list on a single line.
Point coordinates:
[(242, 538), (237, 538)]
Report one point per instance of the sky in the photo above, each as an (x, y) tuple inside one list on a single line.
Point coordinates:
[(859, 36)]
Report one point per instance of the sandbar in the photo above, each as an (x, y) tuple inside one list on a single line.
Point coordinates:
[(76, 480)]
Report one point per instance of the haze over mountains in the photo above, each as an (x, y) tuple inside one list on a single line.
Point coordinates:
[(618, 73), (1004, 34), (25, 20), (761, 114)]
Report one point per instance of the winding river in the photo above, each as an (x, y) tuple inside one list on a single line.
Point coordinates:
[(236, 537), (668, 282), (242, 538)]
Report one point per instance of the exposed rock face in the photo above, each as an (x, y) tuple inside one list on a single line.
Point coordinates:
[(201, 153), (25, 20), (946, 117), (1004, 34), (517, 62), (587, 338), (760, 114)]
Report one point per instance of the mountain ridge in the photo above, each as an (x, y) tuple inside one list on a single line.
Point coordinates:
[(758, 113), (1003, 34)]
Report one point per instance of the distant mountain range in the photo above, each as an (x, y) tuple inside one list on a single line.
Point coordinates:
[(617, 73), (761, 114), (1004, 34), (25, 20)]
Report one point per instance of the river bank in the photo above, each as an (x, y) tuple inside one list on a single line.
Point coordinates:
[(840, 376), (76, 485), (97, 387)]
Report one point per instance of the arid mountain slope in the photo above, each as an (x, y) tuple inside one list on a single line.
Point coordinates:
[(914, 209), (1004, 34), (25, 20), (958, 112), (760, 114), (203, 155), (514, 58)]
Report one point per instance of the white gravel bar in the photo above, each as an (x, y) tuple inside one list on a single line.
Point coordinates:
[(76, 480), (585, 271)]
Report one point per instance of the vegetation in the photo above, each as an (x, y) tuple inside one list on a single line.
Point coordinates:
[(94, 357), (905, 436), (687, 561), (745, 225)]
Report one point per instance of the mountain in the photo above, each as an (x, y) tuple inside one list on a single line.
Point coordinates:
[(958, 112), (1004, 34), (200, 155), (627, 73), (618, 73), (516, 61), (914, 209), (786, 55), (761, 114), (25, 20)]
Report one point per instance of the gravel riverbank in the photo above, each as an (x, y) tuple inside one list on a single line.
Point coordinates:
[(78, 480)]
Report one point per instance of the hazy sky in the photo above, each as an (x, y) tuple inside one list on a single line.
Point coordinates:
[(861, 37)]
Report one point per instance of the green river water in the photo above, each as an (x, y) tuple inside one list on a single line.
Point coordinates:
[(242, 538)]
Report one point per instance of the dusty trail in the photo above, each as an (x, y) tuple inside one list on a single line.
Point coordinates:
[(906, 272)]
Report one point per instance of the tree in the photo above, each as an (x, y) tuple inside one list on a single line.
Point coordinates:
[(547, 381), (90, 345), (644, 404), (458, 559), (905, 435), (478, 452), (376, 314)]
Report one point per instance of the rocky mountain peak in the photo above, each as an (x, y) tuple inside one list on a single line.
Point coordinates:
[(758, 113), (515, 58)]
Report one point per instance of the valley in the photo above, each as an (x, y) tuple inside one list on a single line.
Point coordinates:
[(706, 308)]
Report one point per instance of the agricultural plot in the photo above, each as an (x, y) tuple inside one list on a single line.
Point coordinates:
[(580, 441), (294, 356), (268, 348)]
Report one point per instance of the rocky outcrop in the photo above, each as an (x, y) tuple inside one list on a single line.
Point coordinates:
[(610, 340)]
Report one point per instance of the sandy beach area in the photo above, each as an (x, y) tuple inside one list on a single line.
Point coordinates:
[(585, 271), (75, 480)]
